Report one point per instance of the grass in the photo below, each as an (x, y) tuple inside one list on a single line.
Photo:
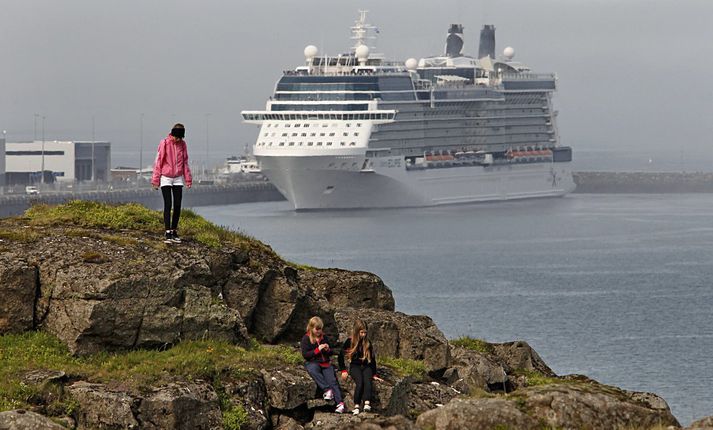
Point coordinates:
[(23, 235), (478, 345), (535, 379), (132, 216), (406, 367), (134, 371)]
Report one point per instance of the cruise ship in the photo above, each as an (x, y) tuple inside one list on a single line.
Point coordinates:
[(357, 131)]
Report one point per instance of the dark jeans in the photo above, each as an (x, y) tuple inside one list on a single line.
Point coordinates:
[(362, 378), (325, 378), (177, 192)]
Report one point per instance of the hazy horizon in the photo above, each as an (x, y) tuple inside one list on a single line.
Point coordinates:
[(628, 71)]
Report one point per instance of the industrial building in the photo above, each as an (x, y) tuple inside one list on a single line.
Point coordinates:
[(62, 161)]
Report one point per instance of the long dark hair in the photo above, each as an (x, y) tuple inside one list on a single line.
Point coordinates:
[(357, 340)]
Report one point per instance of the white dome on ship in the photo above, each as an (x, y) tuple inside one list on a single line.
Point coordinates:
[(411, 64), (362, 52), (311, 51), (509, 52)]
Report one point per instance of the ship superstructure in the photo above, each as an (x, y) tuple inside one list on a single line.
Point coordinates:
[(356, 131)]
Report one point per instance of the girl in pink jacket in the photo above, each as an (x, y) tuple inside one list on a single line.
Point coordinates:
[(171, 173)]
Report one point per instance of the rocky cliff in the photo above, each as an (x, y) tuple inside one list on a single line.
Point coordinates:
[(105, 327)]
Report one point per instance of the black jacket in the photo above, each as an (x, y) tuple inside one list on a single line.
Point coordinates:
[(310, 350), (356, 358)]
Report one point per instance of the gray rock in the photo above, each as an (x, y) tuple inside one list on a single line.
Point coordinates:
[(429, 395), (251, 394), (129, 301), (363, 421), (287, 299), (396, 334), (474, 370), (519, 355), (102, 408), (591, 406), (181, 406), (702, 424), (18, 289), (485, 414), (284, 422), (20, 419), (289, 388)]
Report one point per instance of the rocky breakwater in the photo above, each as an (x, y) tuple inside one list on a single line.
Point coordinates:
[(103, 326)]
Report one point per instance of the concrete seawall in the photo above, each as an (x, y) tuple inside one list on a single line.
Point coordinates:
[(199, 195), (643, 182)]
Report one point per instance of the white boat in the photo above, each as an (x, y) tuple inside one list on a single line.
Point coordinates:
[(356, 131)]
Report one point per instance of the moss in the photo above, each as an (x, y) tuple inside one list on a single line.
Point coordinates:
[(406, 367), (478, 345), (535, 379), (19, 234), (235, 417), (132, 216), (136, 370), (94, 257)]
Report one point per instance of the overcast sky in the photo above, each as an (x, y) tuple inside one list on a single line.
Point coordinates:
[(634, 75)]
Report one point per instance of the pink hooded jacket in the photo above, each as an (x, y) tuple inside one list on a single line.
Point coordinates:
[(171, 161)]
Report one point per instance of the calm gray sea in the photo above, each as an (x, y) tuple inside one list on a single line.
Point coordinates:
[(617, 287)]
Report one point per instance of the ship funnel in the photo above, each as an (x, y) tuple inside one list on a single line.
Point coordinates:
[(454, 42), (487, 42)]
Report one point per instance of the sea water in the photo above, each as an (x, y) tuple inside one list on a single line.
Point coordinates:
[(616, 287)]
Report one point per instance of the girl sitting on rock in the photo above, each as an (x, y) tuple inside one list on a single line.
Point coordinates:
[(362, 365), (316, 350)]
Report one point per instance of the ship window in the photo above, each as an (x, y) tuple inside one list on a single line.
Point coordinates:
[(349, 125), (304, 134), (265, 135), (358, 124), (282, 143), (269, 125), (269, 144), (331, 134), (306, 125), (288, 125), (313, 134), (352, 143), (356, 134), (345, 134), (319, 143), (298, 125), (300, 143), (310, 143), (284, 134), (294, 134), (343, 143), (329, 143), (292, 143), (322, 134)]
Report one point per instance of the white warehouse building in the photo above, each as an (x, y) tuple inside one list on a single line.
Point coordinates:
[(65, 161)]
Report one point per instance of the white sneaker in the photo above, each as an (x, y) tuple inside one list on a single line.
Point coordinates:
[(355, 411), (328, 395), (367, 406), (340, 408)]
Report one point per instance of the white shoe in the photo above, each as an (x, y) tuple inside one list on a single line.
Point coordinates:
[(340, 408), (328, 395), (367, 406), (355, 411)]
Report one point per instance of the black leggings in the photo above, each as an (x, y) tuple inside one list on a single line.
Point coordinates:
[(362, 378), (177, 191)]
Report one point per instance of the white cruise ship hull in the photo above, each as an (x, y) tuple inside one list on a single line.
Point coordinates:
[(328, 182)]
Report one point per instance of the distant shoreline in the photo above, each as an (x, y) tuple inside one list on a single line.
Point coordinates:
[(643, 182), (258, 191)]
